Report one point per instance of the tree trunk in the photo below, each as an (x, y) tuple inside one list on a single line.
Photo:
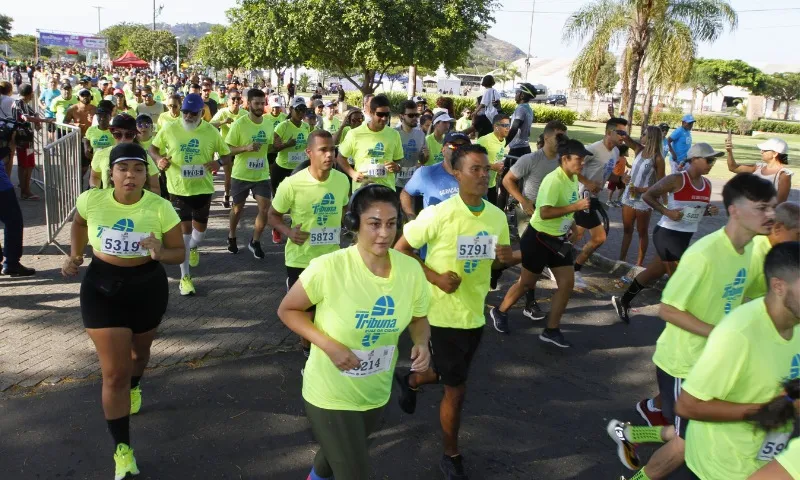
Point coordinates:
[(647, 107), (694, 100), (786, 112), (412, 77), (636, 64), (625, 83), (702, 102)]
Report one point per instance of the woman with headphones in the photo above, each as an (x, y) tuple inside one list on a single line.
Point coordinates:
[(365, 296)]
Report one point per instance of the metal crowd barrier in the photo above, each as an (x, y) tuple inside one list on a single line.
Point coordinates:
[(62, 181)]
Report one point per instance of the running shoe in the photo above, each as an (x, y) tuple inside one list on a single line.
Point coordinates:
[(580, 283), (136, 399), (622, 310), (186, 286), (653, 418), (408, 395), (453, 467), (533, 312), (255, 247), (549, 274), (227, 201), (124, 462), (626, 451), (276, 236), (194, 257), (555, 337), (232, 247), (499, 320)]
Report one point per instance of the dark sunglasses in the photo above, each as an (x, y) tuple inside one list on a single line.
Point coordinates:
[(356, 119), (503, 125), (382, 114), (235, 99), (411, 115), (174, 106), (206, 90), (117, 134), (190, 113), (144, 125), (711, 161), (148, 95)]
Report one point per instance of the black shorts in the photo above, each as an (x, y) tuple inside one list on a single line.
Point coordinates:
[(536, 254), (276, 175), (670, 244), (452, 350), (670, 389), (592, 219), (292, 275), (85, 160), (125, 297), (195, 207)]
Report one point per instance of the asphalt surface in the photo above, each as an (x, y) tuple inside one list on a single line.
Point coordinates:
[(532, 410)]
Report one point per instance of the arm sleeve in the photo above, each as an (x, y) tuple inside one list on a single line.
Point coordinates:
[(547, 194), (414, 184), (152, 169), (399, 154), (523, 167), (222, 147), (280, 130), (313, 279), (284, 197), (422, 292), (346, 146), (158, 141), (691, 273), (421, 230), (169, 217), (233, 135), (217, 116), (715, 373), (82, 205)]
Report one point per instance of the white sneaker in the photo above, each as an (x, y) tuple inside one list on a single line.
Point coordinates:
[(580, 283), (549, 274)]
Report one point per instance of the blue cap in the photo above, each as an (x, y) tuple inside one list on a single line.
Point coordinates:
[(688, 118), (451, 137), (193, 103)]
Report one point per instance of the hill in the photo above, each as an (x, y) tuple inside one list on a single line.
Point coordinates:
[(187, 30), (495, 49)]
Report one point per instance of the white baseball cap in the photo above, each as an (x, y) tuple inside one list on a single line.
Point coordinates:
[(275, 101), (297, 101), (776, 145), (443, 118)]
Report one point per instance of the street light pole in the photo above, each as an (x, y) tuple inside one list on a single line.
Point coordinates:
[(177, 56), (530, 41), (98, 18)]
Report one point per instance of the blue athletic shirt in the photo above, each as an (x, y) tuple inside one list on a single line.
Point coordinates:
[(681, 141), (433, 183)]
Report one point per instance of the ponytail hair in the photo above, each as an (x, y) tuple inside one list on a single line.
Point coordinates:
[(780, 410), (561, 141), (783, 158)]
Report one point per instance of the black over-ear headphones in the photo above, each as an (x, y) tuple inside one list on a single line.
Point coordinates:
[(352, 218)]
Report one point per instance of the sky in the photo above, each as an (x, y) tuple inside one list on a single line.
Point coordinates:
[(766, 31)]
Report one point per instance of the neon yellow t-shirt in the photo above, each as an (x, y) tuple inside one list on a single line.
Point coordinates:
[(165, 119), (744, 361), (59, 105), (556, 190), (463, 123), (758, 287), (368, 148), (97, 95), (709, 283), (224, 114), (146, 143), (189, 151), (100, 161), (99, 139), (790, 458), (313, 205), (102, 211), (344, 134), (331, 125), (363, 312), (268, 117), (290, 158), (496, 150), (440, 226), (250, 166), (435, 154)]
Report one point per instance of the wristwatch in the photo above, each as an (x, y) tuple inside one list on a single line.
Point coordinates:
[(219, 161)]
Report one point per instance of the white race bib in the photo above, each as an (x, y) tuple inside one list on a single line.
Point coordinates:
[(372, 361), (693, 214), (193, 171), (566, 224), (117, 243), (773, 445), (297, 157), (325, 236), (255, 164), (376, 170), (406, 173), (479, 247)]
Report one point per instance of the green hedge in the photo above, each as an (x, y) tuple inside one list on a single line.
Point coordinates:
[(776, 126), (543, 113)]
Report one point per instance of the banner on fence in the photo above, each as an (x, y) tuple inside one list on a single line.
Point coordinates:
[(71, 41)]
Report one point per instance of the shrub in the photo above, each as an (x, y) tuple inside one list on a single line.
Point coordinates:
[(586, 116), (744, 126), (774, 126)]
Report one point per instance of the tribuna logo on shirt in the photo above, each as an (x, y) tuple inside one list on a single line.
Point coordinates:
[(300, 143), (103, 141), (121, 225), (734, 289), (472, 265), (325, 208), (260, 137), (189, 150), (794, 370), (376, 322), (376, 152)]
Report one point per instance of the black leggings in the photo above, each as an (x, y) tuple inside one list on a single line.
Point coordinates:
[(343, 438), (502, 194)]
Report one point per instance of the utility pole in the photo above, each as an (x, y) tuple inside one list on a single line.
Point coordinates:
[(98, 18), (154, 15), (177, 56), (530, 40)]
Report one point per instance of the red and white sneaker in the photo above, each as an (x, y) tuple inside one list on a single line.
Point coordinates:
[(653, 418), (276, 236)]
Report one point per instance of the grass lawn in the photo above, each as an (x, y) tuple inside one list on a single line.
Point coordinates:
[(745, 150)]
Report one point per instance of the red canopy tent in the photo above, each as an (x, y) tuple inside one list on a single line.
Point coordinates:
[(130, 60)]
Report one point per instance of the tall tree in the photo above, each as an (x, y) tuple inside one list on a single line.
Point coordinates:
[(219, 49), (152, 45), (710, 75), (637, 24), (783, 88), (5, 27), (118, 36)]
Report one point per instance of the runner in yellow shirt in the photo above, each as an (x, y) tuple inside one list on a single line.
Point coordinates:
[(434, 140), (740, 371), (466, 238), (60, 104), (785, 229), (786, 466), (375, 147), (172, 114), (248, 139), (185, 150), (495, 144), (709, 283), (330, 121), (274, 116), (365, 297), (124, 293), (98, 137), (223, 120), (123, 130)]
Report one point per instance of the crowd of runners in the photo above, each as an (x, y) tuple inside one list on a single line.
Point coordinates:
[(409, 226)]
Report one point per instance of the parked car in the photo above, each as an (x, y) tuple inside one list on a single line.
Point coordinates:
[(557, 100)]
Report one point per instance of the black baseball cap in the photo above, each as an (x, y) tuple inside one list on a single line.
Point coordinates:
[(573, 147), (127, 151), (144, 119), (123, 121)]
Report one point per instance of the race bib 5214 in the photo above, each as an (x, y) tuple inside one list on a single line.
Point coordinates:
[(372, 361)]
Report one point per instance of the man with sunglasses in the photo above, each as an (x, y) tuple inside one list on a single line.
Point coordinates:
[(188, 148), (376, 150), (198, 90), (415, 151), (223, 120), (289, 140), (495, 145), (150, 106), (98, 137), (212, 104)]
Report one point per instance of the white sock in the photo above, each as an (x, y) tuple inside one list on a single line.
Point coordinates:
[(651, 406), (185, 265), (196, 237)]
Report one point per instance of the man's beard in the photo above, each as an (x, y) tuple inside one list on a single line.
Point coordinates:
[(191, 126)]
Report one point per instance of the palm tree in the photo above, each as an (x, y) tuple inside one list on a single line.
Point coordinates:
[(643, 26)]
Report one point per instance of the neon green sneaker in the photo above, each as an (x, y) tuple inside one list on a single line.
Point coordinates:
[(124, 463), (186, 286), (194, 257), (136, 399)]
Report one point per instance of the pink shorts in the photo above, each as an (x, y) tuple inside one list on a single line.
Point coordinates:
[(26, 158)]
